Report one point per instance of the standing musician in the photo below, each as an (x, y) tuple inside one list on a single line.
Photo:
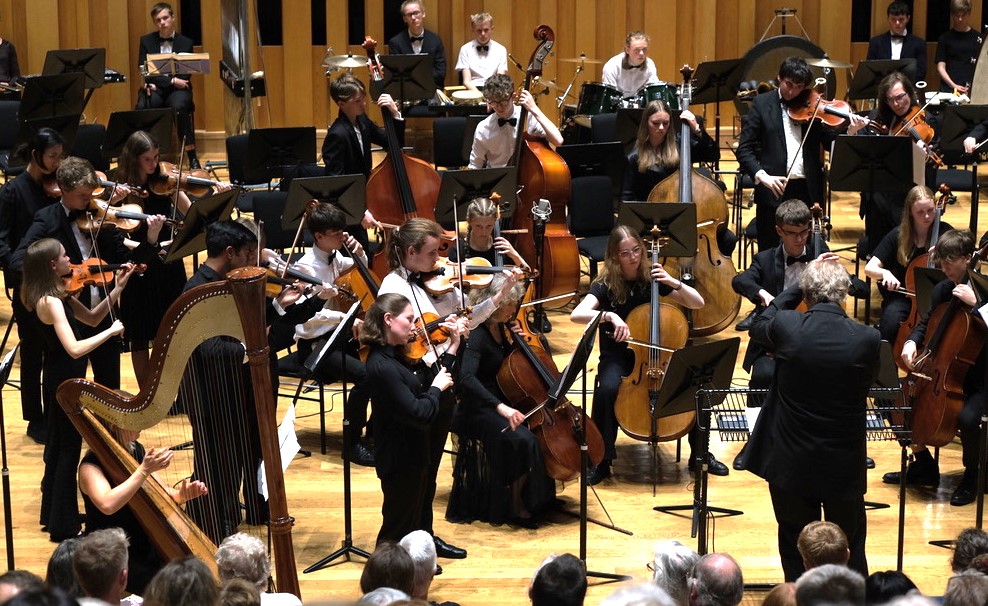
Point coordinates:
[(482, 57), (43, 293), (20, 199), (809, 441), (10, 70), (897, 249), (407, 400), (898, 43), (770, 140), (953, 253), (482, 213), (632, 68), (622, 285), (957, 49), (416, 40), (494, 139), (414, 254), (513, 484), (174, 91)]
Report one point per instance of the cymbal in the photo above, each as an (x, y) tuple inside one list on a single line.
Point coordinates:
[(551, 85), (344, 61), (828, 62), (580, 59)]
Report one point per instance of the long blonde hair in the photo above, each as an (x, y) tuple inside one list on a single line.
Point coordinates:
[(414, 233), (906, 242), (611, 275), (667, 153), (39, 278)]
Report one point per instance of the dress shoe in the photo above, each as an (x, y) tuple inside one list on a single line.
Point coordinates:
[(361, 455), (745, 324), (966, 491), (445, 550), (528, 522), (598, 473), (714, 467), (193, 160), (741, 460), (37, 431), (922, 471), (869, 463)]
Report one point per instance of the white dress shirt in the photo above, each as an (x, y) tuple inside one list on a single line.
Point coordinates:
[(628, 81), (493, 144), (482, 65)]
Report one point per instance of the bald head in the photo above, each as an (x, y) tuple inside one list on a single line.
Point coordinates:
[(716, 580)]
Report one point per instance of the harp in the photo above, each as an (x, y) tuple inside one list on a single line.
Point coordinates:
[(199, 314)]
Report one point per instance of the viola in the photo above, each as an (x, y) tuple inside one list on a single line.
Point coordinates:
[(429, 332), (125, 217), (94, 272), (475, 272), (357, 284), (195, 182), (914, 125), (50, 184)]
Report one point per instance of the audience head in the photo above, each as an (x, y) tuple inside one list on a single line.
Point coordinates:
[(383, 596), (42, 596), (243, 556), (783, 594), (881, 587), (821, 543), (980, 563), (671, 565), (14, 582), (100, 563), (971, 542), (640, 594), (240, 592), (422, 548), (830, 584), (561, 580), (59, 573), (183, 582), (389, 566), (716, 580), (965, 588)]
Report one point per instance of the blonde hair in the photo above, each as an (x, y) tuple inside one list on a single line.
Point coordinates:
[(610, 275), (906, 242), (667, 153), (39, 279), (481, 18)]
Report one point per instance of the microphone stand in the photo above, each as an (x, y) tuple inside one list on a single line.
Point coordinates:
[(541, 211), (8, 522)]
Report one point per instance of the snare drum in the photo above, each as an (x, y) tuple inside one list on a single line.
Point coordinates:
[(659, 91), (468, 97), (596, 98)]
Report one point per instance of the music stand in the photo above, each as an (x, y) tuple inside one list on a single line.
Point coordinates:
[(407, 77), (626, 126), (864, 83), (191, 236), (676, 222), (716, 81), (957, 123), (338, 338), (65, 125), (52, 96), (90, 62), (272, 151), (926, 278), (460, 187), (159, 123), (595, 159), (869, 164), (8, 521), (346, 192), (165, 64)]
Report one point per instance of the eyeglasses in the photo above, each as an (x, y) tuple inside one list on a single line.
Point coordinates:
[(795, 234), (634, 252), (413, 14), (897, 98)]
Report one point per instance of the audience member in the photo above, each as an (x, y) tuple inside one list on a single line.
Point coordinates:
[(971, 543), (881, 587), (13, 582), (966, 588), (913, 598), (422, 548), (59, 573), (830, 584), (43, 596), (389, 566), (383, 596), (980, 563), (240, 592), (561, 580), (671, 566), (100, 566), (182, 582), (822, 542), (783, 594), (716, 580), (243, 556), (641, 594)]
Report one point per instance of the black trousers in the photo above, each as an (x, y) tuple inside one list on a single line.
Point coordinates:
[(438, 433), (32, 352), (178, 99), (895, 310), (59, 503), (765, 205), (401, 508), (794, 511), (332, 367)]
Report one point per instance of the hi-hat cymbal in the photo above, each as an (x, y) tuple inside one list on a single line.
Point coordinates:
[(344, 61), (828, 62), (580, 59)]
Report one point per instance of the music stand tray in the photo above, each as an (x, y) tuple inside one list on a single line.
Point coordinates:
[(864, 84), (869, 164), (407, 77), (716, 81), (191, 236), (169, 64), (52, 96), (159, 123), (676, 222), (270, 151), (958, 120), (462, 186), (90, 62), (346, 192)]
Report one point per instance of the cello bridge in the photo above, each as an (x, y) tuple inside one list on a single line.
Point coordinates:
[(655, 373)]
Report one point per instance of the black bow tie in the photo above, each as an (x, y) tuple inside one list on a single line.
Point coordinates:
[(417, 38), (898, 37), (802, 259), (626, 64), (75, 214), (163, 39), (483, 48), (503, 121)]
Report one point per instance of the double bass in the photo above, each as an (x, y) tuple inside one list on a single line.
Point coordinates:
[(709, 272)]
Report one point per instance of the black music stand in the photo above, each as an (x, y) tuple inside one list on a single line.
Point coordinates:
[(191, 236), (52, 96), (90, 62), (626, 126), (407, 77), (159, 123), (596, 159), (957, 123), (864, 84), (8, 521), (869, 164), (460, 187), (339, 339), (926, 278), (67, 126), (346, 192), (716, 81), (272, 152), (676, 222)]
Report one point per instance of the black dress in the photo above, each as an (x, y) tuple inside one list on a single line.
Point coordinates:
[(956, 50), (489, 460)]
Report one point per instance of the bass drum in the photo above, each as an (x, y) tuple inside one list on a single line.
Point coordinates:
[(762, 61)]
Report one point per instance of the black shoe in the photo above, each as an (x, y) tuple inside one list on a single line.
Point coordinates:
[(714, 467), (439, 570), (966, 491), (598, 473), (745, 324), (445, 550), (193, 160), (528, 523), (741, 460), (869, 463), (37, 431), (360, 455), (922, 471)]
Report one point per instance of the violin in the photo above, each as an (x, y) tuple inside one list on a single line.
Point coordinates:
[(195, 182), (93, 272), (429, 332), (125, 217), (810, 105), (135, 190), (914, 125), (50, 184), (477, 272)]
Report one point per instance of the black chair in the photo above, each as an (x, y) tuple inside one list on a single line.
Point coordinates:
[(9, 127), (447, 142), (603, 128), (963, 180), (89, 145), (591, 217), (236, 158), (268, 206)]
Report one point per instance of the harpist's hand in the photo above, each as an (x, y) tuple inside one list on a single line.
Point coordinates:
[(191, 490), (156, 459)]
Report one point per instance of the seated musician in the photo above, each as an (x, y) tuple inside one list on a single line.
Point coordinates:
[(481, 57), (10, 69), (480, 241), (898, 43), (494, 139), (512, 483), (893, 254), (632, 68), (953, 252), (106, 502), (416, 40), (622, 285), (974, 140), (413, 255), (174, 91)]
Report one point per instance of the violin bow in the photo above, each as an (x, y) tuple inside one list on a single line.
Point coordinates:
[(809, 127), (459, 256)]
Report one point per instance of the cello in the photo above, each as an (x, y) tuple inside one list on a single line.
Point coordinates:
[(543, 175), (664, 325), (400, 187), (710, 272)]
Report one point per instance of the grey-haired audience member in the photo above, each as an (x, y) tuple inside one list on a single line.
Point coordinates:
[(966, 588), (671, 566), (382, 596), (640, 594), (830, 584)]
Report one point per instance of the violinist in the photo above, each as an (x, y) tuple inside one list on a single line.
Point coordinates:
[(482, 213), (20, 199), (414, 252), (494, 139), (957, 49), (778, 171), (953, 253), (512, 483), (897, 249), (66, 349), (622, 285)]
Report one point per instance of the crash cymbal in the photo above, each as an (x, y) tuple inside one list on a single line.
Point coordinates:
[(550, 84), (828, 62), (580, 59), (344, 61)]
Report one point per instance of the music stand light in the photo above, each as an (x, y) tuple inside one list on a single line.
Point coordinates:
[(864, 84), (958, 120), (52, 96), (191, 236), (90, 62), (159, 123), (346, 192), (462, 186), (869, 164), (676, 222), (407, 77), (272, 151)]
